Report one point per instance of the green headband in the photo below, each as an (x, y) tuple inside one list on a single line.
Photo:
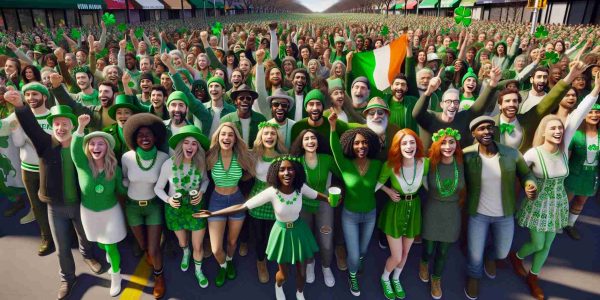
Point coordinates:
[(287, 157), (596, 106), (264, 124), (81, 69), (446, 132)]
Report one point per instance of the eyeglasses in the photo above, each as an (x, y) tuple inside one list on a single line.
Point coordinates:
[(449, 101), (373, 112), (244, 98), (280, 104)]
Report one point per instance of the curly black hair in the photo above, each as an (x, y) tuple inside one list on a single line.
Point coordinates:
[(297, 150), (347, 141), (273, 175)]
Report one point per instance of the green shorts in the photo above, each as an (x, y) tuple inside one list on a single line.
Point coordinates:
[(150, 214)]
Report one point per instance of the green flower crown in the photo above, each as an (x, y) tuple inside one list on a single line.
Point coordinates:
[(81, 69), (446, 132), (264, 124), (287, 157), (596, 106)]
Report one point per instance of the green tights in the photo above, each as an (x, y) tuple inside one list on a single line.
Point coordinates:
[(113, 253), (436, 251), (539, 246)]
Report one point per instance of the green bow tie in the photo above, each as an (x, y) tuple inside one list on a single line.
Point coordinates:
[(505, 127)]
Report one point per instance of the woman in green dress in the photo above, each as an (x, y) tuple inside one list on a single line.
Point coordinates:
[(185, 174), (400, 218), (441, 210), (582, 182)]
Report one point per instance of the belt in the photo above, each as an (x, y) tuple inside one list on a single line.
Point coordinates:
[(141, 203), (287, 225), (408, 197)]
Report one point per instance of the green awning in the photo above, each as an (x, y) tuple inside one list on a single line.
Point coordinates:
[(428, 4), (399, 6), (197, 3), (448, 3), (467, 3), (60, 4), (219, 5)]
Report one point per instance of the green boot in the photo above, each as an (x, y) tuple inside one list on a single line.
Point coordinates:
[(388, 292), (220, 280), (398, 289), (231, 274)]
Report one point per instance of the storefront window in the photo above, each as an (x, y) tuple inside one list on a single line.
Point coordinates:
[(11, 21), (72, 19), (39, 16), (26, 20), (59, 18)]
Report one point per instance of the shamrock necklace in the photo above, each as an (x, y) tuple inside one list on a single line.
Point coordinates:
[(285, 201), (414, 174), (448, 187), (592, 148)]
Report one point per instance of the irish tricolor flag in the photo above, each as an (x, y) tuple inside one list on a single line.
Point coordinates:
[(381, 65)]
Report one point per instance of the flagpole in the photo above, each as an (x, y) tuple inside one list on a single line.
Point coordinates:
[(535, 16)]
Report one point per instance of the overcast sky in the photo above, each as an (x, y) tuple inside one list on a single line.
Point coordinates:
[(317, 5)]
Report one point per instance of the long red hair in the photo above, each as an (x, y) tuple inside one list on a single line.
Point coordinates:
[(435, 153), (395, 155)]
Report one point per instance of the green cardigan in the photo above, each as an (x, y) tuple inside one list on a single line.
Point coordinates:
[(512, 165)]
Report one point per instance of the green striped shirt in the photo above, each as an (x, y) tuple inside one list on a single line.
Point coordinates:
[(229, 177)]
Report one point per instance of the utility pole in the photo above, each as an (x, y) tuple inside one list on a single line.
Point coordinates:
[(535, 16)]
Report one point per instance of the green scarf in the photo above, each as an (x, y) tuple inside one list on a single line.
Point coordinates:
[(120, 133), (146, 155)]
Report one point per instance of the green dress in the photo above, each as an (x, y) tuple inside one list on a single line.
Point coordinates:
[(403, 218), (583, 172)]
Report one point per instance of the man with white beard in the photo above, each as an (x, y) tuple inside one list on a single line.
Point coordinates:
[(377, 115), (359, 92), (422, 81)]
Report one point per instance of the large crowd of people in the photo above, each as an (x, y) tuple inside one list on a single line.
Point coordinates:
[(249, 129)]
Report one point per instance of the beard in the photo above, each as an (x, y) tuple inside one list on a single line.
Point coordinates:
[(177, 117), (378, 127), (356, 100)]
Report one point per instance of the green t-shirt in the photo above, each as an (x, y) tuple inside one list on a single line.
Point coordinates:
[(69, 183)]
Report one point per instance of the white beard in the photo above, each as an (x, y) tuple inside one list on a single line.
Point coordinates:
[(378, 128), (359, 101)]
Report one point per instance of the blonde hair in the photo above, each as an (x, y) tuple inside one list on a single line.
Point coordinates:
[(198, 160), (244, 157), (110, 160), (538, 138), (259, 148)]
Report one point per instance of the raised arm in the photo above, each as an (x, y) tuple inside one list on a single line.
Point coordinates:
[(577, 116), (486, 96), (274, 44), (214, 60), (64, 70), (40, 139), (261, 89), (77, 153), (420, 112), (103, 35)]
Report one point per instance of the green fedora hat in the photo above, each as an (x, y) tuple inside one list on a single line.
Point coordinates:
[(122, 101), (109, 138), (189, 131), (62, 111), (376, 102)]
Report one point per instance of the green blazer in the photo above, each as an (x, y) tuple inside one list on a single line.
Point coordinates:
[(512, 165), (94, 111), (255, 119), (120, 144), (292, 110)]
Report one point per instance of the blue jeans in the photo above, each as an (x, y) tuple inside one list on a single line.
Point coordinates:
[(61, 218), (358, 228), (503, 229)]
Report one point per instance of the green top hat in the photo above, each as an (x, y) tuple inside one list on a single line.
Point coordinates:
[(122, 101), (186, 131), (62, 111)]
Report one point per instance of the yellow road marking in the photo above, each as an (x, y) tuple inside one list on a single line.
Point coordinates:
[(138, 281)]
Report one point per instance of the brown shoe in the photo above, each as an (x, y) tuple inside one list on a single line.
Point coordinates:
[(46, 247), (534, 288), (517, 264), (65, 289), (424, 271), (243, 251), (159, 286), (340, 256), (94, 265), (436, 288), (263, 273), (489, 267), (472, 288)]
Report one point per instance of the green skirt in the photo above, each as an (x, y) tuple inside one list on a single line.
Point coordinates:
[(265, 211), (402, 218), (584, 182), (291, 245), (181, 218)]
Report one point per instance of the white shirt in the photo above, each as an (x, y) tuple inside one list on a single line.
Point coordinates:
[(490, 196), (141, 183), (246, 130), (283, 212), (216, 121), (591, 154), (166, 176), (513, 139), (299, 107), (531, 101), (556, 165), (285, 130)]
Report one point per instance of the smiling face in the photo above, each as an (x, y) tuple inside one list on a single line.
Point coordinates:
[(470, 84), (157, 98), (269, 137), (553, 133), (35, 99), (360, 93), (122, 114), (399, 88), (377, 120), (236, 78), (190, 147), (145, 138), (360, 146), (286, 173), (244, 103), (105, 94), (97, 147), (61, 128), (226, 138), (450, 105), (448, 146), (310, 142), (539, 81), (166, 81), (593, 117), (177, 111), (408, 146), (337, 98), (314, 108), (146, 85), (569, 100), (275, 77), (215, 90), (83, 80), (484, 133), (509, 105), (299, 82), (279, 108)]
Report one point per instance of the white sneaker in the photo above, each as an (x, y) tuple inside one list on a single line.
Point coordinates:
[(279, 294), (328, 277), (107, 258), (115, 283), (310, 272), (299, 295)]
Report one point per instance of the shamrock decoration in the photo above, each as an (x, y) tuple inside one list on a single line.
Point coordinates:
[(131, 84), (130, 47), (444, 31), (139, 33), (102, 53), (462, 15), (385, 30), (550, 59), (59, 35), (541, 32), (109, 19), (75, 33), (454, 46), (122, 27), (216, 28)]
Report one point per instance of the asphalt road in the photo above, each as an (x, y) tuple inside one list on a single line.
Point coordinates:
[(571, 272)]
